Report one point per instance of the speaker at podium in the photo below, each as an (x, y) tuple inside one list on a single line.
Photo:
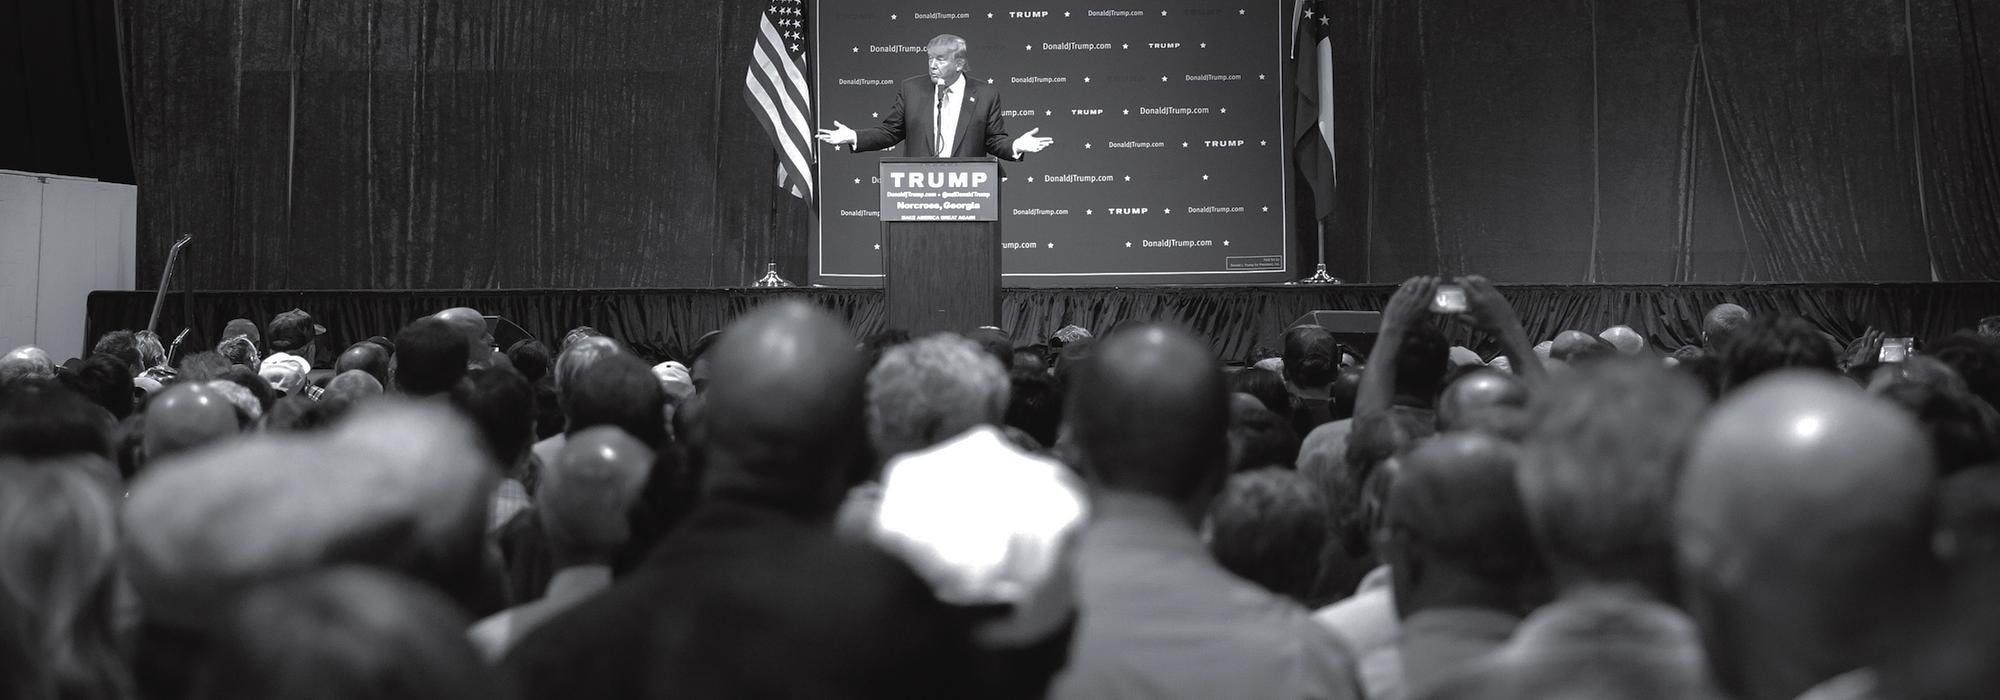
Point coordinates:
[(941, 243)]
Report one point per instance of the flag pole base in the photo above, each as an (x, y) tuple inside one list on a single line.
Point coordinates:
[(771, 278), (1318, 276)]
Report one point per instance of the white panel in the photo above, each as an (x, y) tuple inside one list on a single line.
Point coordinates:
[(88, 234), (20, 257)]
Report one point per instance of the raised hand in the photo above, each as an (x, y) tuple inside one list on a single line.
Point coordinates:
[(1486, 309), (1029, 142), (1410, 302), (838, 135)]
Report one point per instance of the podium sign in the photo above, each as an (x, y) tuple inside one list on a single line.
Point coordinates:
[(941, 243), (940, 189)]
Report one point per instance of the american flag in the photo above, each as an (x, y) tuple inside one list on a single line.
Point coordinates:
[(1312, 59), (776, 88)]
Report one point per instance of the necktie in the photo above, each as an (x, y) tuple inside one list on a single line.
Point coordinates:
[(937, 125)]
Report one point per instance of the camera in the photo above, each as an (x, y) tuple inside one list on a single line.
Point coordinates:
[(1895, 349), (1450, 299)]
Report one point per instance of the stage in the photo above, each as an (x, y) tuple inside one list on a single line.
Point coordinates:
[(662, 323)]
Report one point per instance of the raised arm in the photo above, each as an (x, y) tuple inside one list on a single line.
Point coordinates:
[(1492, 314), (1378, 381)]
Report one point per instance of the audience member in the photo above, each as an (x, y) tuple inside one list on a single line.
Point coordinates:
[(471, 325), (1602, 457), (583, 499), (351, 386), (1576, 347), (261, 391), (345, 632), (367, 357), (1164, 620), (1462, 564), (243, 327), (1624, 340), (1976, 359), (59, 575), (294, 333), (1489, 401), (104, 380), (1769, 343), (1034, 405), (286, 373), (755, 574), (1804, 530), (1267, 386), (26, 362), (185, 417), (1260, 524), (201, 366), (1259, 438), (430, 357), (1721, 323), (124, 346), (1989, 327), (1312, 362), (498, 401), (531, 358), (240, 350)]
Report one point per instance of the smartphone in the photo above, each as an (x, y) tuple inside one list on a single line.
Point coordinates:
[(1895, 349), (1450, 299)]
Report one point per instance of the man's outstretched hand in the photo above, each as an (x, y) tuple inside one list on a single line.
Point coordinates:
[(839, 134), (1028, 143)]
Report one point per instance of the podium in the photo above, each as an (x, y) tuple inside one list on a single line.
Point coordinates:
[(941, 243)]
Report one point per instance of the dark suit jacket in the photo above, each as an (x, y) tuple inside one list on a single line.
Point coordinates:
[(981, 130), (744, 602)]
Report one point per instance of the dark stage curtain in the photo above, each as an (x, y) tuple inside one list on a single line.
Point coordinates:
[(439, 144), (62, 92), (663, 323), (1634, 141)]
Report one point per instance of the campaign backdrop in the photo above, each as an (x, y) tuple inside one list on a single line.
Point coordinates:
[(1170, 162)]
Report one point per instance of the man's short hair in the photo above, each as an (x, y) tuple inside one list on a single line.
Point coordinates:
[(1034, 404), (202, 366), (501, 405), (41, 418), (949, 42), (26, 362), (586, 503), (1267, 526), (152, 353), (929, 390), (1312, 357), (239, 350), (531, 358), (1600, 467), (1422, 361), (1773, 342), (104, 379), (1259, 438), (580, 355), (1721, 323), (1267, 386), (1468, 512), (430, 357), (343, 632), (618, 390), (122, 345)]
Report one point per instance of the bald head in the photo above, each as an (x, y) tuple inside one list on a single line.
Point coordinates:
[(472, 325), (1625, 340), (1151, 412), (784, 408), (187, 416), (1478, 392), (585, 495), (1454, 505), (1721, 321), (26, 362), (1572, 346), (351, 385), (1803, 530), (366, 357)]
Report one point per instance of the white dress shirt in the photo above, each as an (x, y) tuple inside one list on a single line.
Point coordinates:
[(947, 126)]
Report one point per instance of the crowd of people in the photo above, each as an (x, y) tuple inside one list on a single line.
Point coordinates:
[(792, 511)]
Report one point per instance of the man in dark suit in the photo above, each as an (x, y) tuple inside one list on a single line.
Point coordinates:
[(752, 595), (943, 95)]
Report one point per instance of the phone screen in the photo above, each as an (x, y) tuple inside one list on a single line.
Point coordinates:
[(1450, 299), (1895, 350)]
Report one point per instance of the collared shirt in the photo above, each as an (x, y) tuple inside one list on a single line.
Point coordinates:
[(497, 633), (1438, 642), (1367, 622), (982, 521), (947, 126), (509, 499), (1160, 619)]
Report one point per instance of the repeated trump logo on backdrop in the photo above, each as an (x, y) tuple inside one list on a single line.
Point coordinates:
[(1144, 141)]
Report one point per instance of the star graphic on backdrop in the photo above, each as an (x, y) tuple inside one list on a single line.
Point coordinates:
[(878, 246), (1086, 78), (854, 49), (1322, 20), (1204, 44), (1124, 46), (1204, 178), (1267, 210), (1052, 246), (1225, 242), (1183, 144), (1163, 13), (877, 115), (1089, 212), (1086, 145), (1241, 11), (1308, 13), (1263, 143), (1128, 244), (857, 181), (989, 15), (1128, 178), (1046, 113), (1163, 78), (989, 81), (1029, 47), (1031, 178), (1169, 210), (1127, 111)]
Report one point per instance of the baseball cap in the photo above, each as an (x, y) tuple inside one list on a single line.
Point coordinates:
[(286, 372), (243, 327), (291, 330)]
